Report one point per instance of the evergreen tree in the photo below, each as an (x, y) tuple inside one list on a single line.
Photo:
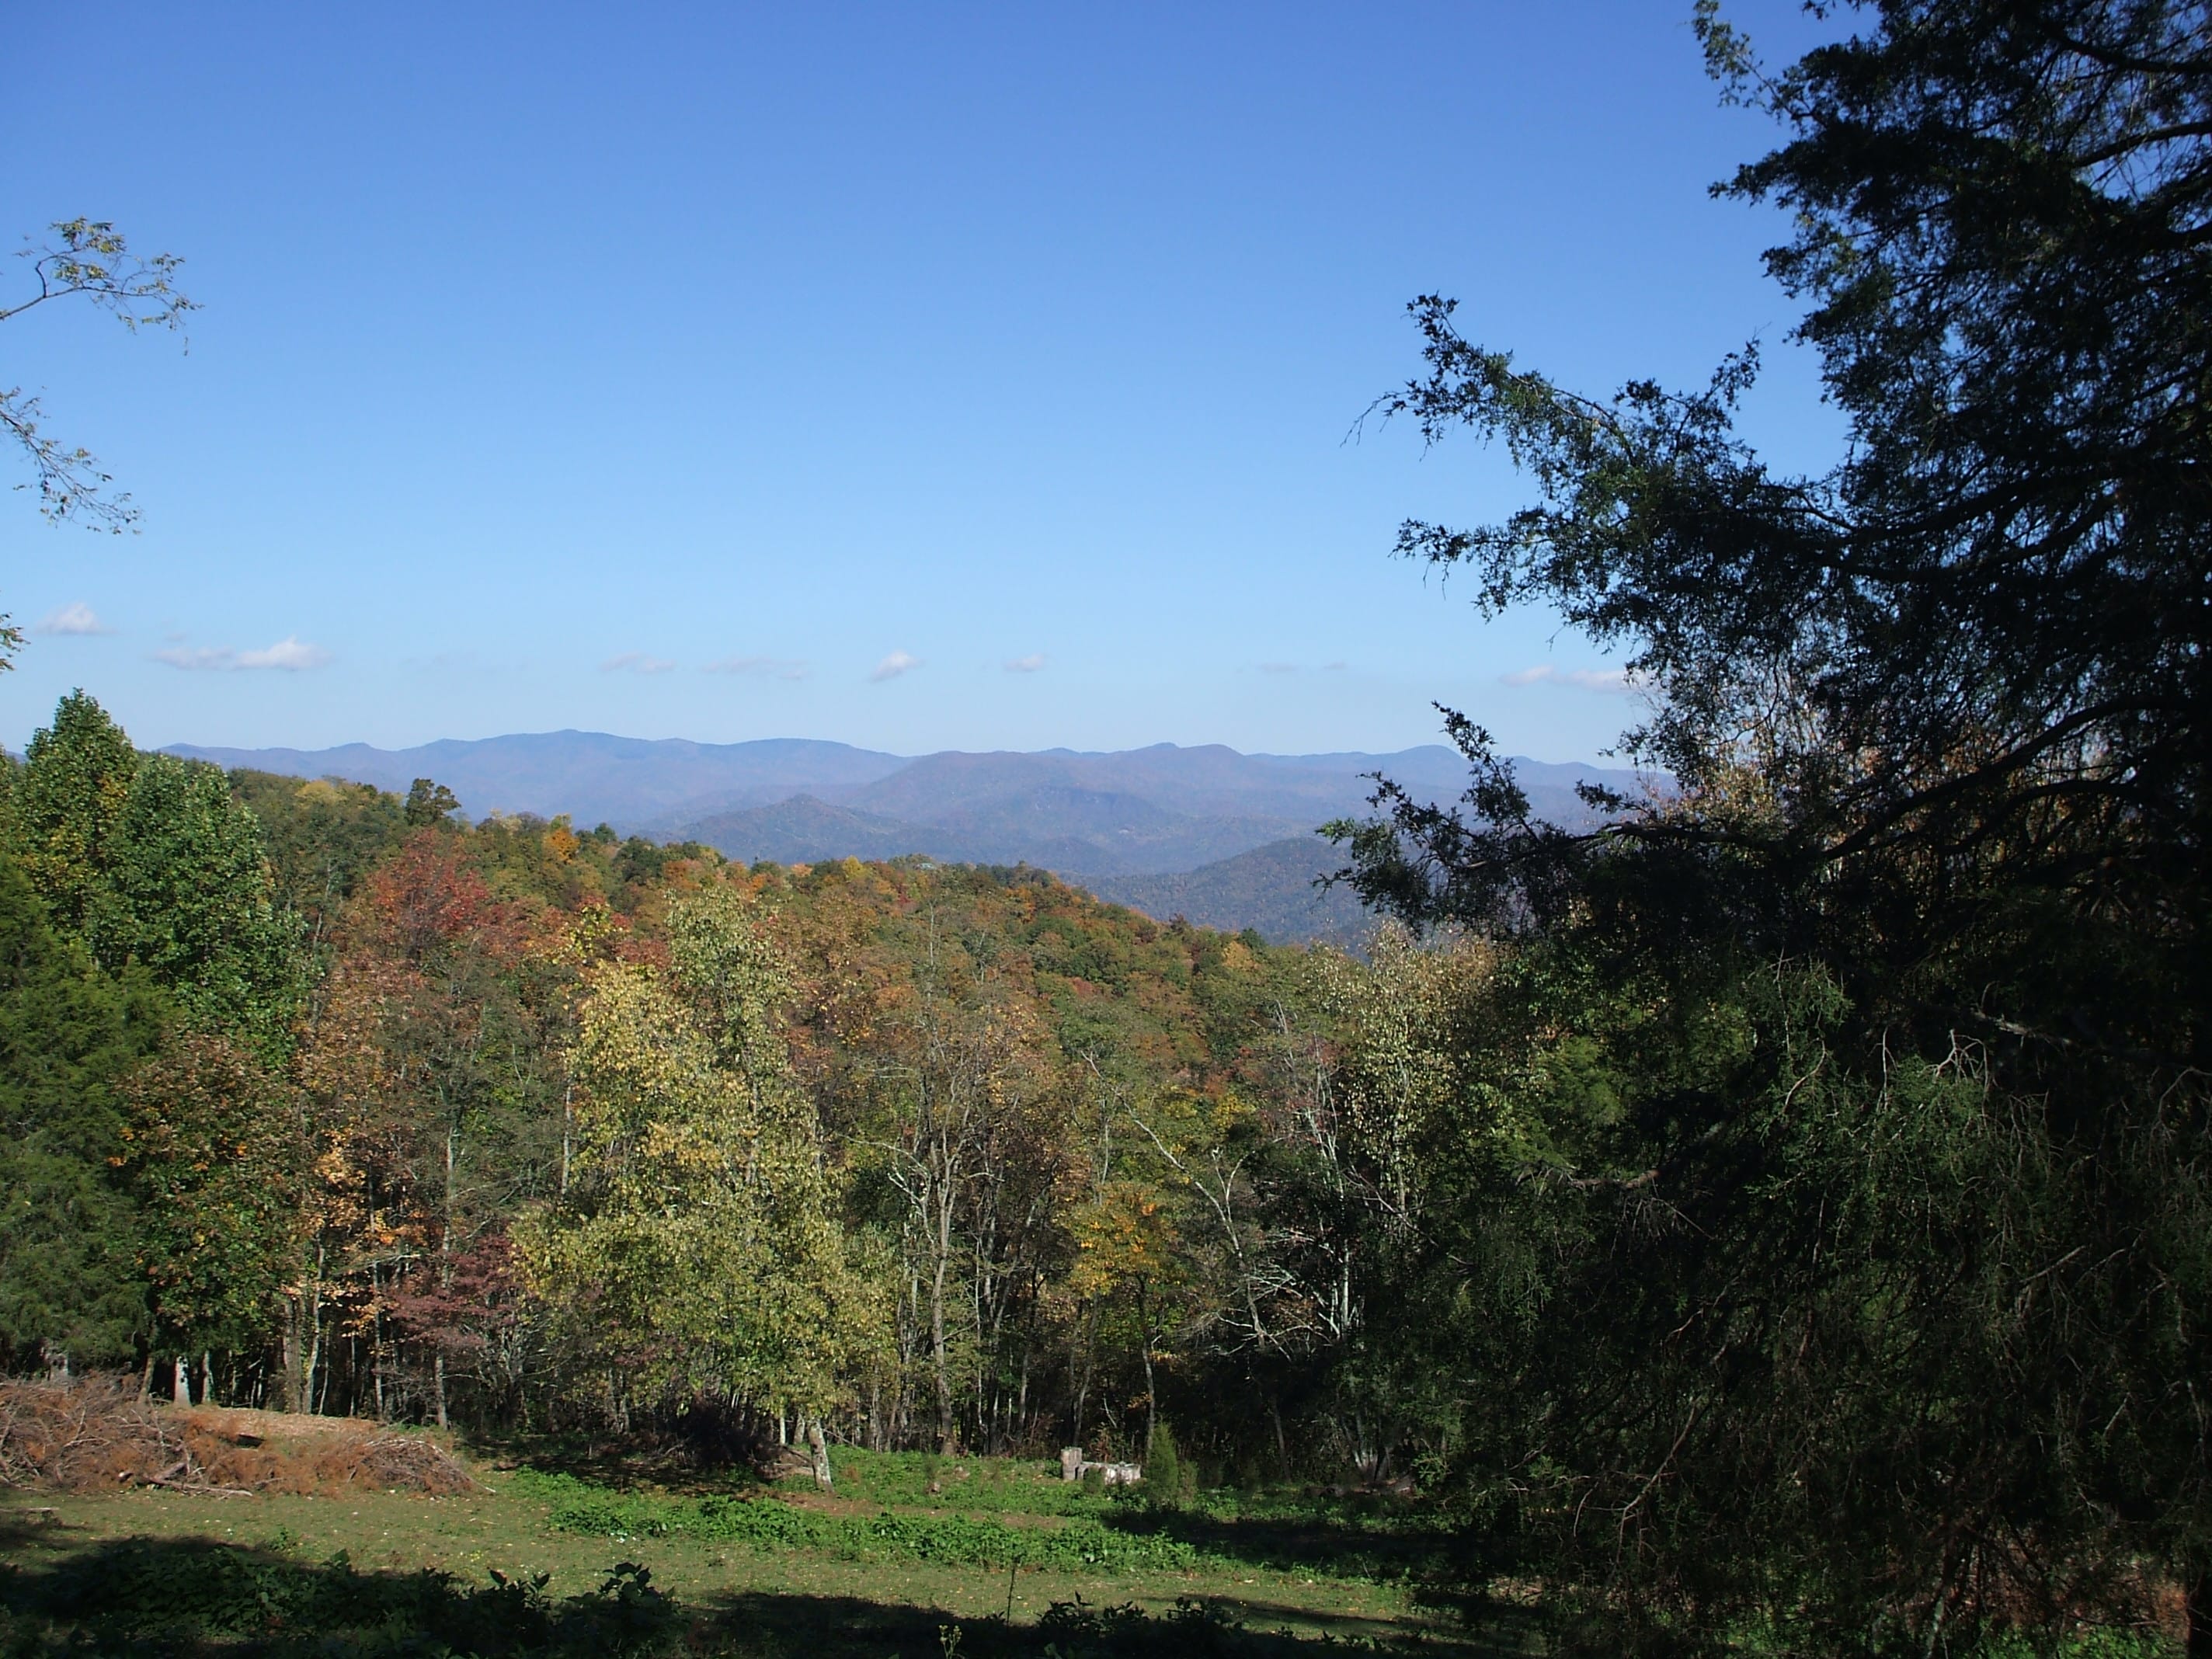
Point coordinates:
[(68, 1284), (1900, 985)]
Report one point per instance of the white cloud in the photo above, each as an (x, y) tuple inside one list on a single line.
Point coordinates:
[(75, 617), (1028, 664), (636, 662), (290, 654), (894, 665), (784, 668), (1613, 681)]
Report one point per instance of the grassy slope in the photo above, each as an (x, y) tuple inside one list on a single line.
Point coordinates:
[(821, 1601)]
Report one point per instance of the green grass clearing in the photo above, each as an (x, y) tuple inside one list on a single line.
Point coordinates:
[(875, 1571)]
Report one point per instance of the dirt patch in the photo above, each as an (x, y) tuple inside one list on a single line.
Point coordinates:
[(96, 1434)]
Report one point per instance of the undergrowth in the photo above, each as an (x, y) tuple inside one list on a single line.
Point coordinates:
[(1078, 1545)]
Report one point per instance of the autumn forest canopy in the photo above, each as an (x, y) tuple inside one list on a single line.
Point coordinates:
[(1771, 1213)]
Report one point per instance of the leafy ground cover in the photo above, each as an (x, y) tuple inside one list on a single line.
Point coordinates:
[(1004, 1512), (767, 1522)]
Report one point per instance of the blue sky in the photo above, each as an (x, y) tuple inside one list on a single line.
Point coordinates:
[(919, 377)]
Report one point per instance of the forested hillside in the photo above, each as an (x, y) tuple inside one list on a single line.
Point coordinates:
[(1278, 890), (319, 1097)]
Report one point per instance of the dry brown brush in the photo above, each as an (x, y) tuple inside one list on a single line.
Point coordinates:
[(96, 1434)]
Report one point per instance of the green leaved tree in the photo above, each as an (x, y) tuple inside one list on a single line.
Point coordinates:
[(148, 860), (697, 1248), (213, 1158)]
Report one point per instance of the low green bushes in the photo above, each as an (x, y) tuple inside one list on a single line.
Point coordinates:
[(764, 1523)]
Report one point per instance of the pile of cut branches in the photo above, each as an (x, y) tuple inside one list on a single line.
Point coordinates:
[(91, 1434), (392, 1462), (96, 1434)]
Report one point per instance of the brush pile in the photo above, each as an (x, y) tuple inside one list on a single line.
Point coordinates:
[(96, 1434)]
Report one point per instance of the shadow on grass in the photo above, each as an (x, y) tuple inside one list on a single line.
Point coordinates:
[(784, 1623), (1318, 1543), (195, 1596), (623, 1462)]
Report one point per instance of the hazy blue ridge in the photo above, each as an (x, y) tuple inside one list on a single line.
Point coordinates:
[(1223, 838)]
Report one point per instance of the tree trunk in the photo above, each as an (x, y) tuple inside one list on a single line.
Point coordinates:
[(944, 1375), (146, 1378), (1088, 1324), (295, 1396), (182, 1392), (823, 1477), (1151, 1405), (314, 1359), (445, 1264)]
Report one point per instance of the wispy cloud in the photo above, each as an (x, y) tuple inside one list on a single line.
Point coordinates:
[(784, 668), (636, 662), (186, 657), (1613, 681), (75, 617), (1028, 664), (894, 665), (291, 653)]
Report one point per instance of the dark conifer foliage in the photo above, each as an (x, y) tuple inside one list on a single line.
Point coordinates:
[(1905, 976), (69, 1288)]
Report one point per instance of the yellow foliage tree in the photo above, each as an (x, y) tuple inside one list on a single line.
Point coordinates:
[(697, 1248)]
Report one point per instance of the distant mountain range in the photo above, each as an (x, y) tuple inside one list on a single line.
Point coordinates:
[(1222, 837), (593, 777)]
